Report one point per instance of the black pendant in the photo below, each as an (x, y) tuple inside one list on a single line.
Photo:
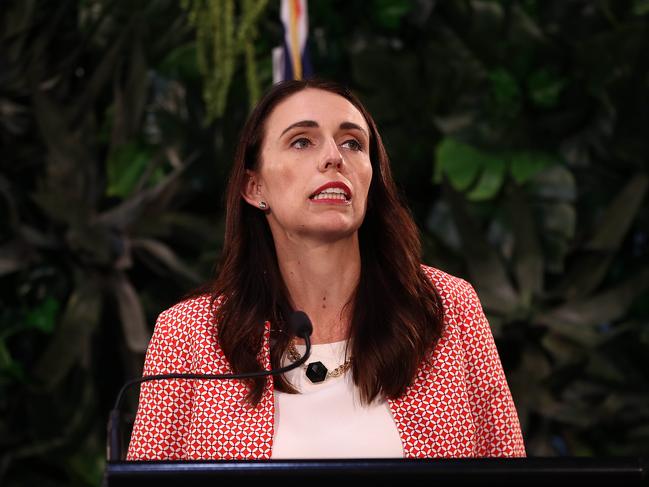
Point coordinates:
[(316, 372)]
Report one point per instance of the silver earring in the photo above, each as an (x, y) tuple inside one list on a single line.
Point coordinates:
[(263, 205)]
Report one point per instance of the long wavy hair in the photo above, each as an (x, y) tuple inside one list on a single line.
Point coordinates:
[(396, 314)]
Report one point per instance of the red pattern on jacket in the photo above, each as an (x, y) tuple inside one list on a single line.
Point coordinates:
[(459, 404)]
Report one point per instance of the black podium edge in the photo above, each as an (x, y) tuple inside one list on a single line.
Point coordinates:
[(466, 471)]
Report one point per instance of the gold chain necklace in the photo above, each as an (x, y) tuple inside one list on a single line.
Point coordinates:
[(316, 371)]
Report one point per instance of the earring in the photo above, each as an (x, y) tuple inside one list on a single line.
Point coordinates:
[(263, 205)]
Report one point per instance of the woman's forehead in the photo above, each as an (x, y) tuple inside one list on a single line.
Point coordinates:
[(320, 106)]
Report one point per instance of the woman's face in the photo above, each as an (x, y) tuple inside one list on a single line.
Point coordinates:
[(315, 170)]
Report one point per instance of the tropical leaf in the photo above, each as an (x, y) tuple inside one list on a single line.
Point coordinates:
[(528, 255), (130, 99), (545, 87), (486, 268), (490, 181), (68, 159), (71, 337), (131, 314), (516, 81), (125, 168), (591, 267), (181, 62), (69, 428), (10, 369), (581, 317), (122, 215), (526, 165), (43, 317), (167, 257), (100, 77), (459, 162)]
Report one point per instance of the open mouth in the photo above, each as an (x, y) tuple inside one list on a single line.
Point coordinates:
[(332, 191), (331, 194)]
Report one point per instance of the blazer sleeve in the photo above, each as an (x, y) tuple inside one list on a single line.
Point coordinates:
[(163, 413), (498, 431)]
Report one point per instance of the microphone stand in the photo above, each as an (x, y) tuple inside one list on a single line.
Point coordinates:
[(114, 439)]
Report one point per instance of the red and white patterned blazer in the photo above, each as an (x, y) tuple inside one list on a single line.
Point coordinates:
[(458, 406)]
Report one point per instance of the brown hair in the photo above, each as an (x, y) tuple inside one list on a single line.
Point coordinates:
[(396, 315)]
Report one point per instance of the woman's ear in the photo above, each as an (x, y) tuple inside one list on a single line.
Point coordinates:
[(251, 190)]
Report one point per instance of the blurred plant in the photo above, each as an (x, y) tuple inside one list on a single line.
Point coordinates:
[(534, 114), (220, 40), (542, 202), (94, 171), (559, 331)]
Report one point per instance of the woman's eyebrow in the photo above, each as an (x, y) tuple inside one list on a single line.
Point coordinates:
[(303, 123), (311, 124), (353, 126)]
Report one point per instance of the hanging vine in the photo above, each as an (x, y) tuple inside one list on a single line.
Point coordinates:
[(222, 38)]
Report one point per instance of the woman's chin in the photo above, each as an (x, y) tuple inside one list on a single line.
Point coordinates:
[(331, 230)]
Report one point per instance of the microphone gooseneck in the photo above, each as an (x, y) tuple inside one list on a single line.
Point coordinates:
[(299, 324)]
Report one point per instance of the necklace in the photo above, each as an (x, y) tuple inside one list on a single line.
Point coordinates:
[(316, 371)]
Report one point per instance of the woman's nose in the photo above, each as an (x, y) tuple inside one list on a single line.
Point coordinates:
[(331, 157)]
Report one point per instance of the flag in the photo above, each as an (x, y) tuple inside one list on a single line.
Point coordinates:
[(291, 60)]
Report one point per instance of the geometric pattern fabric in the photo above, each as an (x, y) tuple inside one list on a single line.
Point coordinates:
[(459, 405)]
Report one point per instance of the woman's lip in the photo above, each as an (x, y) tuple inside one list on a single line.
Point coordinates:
[(333, 184), (331, 201)]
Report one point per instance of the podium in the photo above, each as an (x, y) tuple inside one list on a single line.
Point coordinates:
[(543, 471)]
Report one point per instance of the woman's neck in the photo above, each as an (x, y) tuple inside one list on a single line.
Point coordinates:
[(321, 279)]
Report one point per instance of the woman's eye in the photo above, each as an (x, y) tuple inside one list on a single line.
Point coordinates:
[(353, 145), (301, 143)]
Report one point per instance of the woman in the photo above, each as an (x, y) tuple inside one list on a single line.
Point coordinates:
[(408, 365)]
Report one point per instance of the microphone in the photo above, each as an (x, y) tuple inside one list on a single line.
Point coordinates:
[(299, 324)]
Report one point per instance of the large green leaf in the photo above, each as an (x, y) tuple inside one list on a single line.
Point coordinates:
[(486, 268), (43, 316), (460, 162), (591, 267), (482, 173), (525, 165), (580, 318), (122, 215), (490, 182), (125, 168)]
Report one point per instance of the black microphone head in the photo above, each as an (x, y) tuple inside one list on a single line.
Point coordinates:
[(300, 324)]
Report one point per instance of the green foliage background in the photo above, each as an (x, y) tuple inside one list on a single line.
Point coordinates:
[(517, 132)]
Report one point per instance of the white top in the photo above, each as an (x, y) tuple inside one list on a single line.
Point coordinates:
[(327, 419)]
